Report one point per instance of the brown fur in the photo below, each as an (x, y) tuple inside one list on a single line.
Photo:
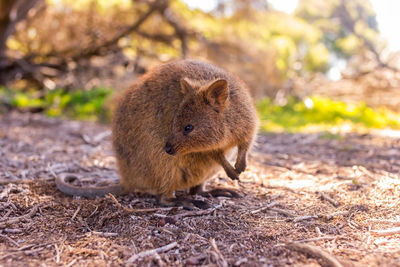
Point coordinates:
[(151, 116)]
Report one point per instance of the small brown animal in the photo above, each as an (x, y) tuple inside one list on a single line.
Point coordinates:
[(174, 128)]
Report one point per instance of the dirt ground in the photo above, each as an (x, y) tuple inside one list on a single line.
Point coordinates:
[(309, 200)]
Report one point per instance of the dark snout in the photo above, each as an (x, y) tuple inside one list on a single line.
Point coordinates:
[(169, 148)]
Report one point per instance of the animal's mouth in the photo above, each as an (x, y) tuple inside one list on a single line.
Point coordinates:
[(172, 150)]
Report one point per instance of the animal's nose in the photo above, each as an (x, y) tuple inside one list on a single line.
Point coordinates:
[(169, 148)]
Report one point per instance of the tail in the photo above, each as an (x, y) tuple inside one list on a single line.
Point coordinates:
[(89, 192)]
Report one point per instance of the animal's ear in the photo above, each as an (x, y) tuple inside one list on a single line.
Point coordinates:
[(216, 93), (185, 86)]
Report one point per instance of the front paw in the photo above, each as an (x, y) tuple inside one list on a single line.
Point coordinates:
[(240, 167), (232, 174)]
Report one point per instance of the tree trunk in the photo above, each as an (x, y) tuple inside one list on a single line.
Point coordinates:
[(5, 10), (12, 12)]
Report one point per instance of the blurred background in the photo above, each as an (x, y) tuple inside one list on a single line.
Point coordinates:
[(311, 65)]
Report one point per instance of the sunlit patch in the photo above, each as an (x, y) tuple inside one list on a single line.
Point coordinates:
[(292, 184), (308, 103), (316, 114), (389, 187), (388, 133)]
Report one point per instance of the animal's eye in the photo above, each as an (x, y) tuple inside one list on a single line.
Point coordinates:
[(188, 128)]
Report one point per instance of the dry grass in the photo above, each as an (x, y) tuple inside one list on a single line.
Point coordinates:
[(308, 201)]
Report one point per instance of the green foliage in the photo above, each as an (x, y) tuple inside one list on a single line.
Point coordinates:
[(261, 36), (314, 113), (263, 46), (322, 114), (348, 45), (345, 24), (79, 104), (317, 58)]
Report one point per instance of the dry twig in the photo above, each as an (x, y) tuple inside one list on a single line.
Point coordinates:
[(317, 239), (315, 252), (76, 212), (284, 212), (318, 231), (196, 260), (104, 234), (334, 214), (152, 252), (304, 218), (395, 222), (221, 262), (71, 263), (240, 262), (26, 252), (325, 196), (270, 205), (20, 218), (6, 215), (9, 240), (158, 260), (20, 181), (12, 231), (129, 210), (194, 213), (57, 253), (390, 231), (95, 210)]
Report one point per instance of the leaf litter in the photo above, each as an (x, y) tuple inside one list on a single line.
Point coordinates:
[(308, 200)]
